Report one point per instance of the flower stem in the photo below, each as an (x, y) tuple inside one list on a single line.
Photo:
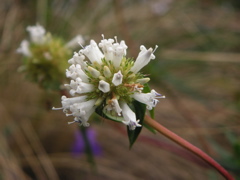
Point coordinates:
[(88, 148), (185, 144)]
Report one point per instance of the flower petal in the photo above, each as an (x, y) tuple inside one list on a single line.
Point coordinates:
[(74, 43), (104, 86), (143, 59), (24, 49), (93, 52), (37, 34), (148, 98), (117, 78), (129, 116)]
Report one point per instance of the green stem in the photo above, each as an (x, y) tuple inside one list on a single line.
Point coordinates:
[(185, 144), (88, 148)]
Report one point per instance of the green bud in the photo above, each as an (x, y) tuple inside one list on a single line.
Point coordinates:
[(95, 73), (106, 71), (143, 80)]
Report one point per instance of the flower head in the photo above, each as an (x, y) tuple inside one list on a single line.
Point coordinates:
[(37, 34), (45, 57), (103, 77)]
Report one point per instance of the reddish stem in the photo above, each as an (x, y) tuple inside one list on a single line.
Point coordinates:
[(185, 144)]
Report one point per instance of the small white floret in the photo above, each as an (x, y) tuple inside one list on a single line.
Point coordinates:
[(93, 52), (143, 58), (129, 116), (117, 78), (150, 99), (104, 86), (37, 34), (24, 49)]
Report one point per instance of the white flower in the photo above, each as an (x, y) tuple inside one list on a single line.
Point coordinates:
[(24, 48), (93, 52), (117, 78), (148, 98), (143, 58), (79, 107), (83, 87), (113, 104), (129, 116), (82, 111), (119, 53), (67, 102), (78, 59), (104, 86), (80, 87), (113, 51), (108, 80), (75, 71), (37, 34), (75, 42), (107, 47)]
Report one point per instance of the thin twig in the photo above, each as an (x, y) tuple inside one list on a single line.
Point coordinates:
[(166, 146), (185, 144)]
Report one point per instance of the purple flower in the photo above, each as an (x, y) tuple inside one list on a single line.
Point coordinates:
[(79, 145)]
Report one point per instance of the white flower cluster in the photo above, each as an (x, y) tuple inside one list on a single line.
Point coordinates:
[(39, 36), (108, 79)]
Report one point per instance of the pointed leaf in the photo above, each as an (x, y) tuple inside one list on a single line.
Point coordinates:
[(139, 110)]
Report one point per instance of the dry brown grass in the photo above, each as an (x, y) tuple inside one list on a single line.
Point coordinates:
[(35, 141)]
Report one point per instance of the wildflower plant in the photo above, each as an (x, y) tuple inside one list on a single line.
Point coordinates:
[(102, 80), (44, 57), (105, 81)]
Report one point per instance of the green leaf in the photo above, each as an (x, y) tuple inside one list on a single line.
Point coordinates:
[(139, 109), (146, 88)]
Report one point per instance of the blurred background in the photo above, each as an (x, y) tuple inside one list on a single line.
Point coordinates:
[(197, 68)]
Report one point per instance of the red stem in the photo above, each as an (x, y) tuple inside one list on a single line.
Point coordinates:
[(185, 144), (183, 153)]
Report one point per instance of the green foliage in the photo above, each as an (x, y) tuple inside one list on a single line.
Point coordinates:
[(139, 110)]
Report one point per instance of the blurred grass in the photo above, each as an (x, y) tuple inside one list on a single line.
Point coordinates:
[(196, 67)]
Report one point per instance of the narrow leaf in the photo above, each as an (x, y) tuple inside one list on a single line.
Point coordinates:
[(139, 109)]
